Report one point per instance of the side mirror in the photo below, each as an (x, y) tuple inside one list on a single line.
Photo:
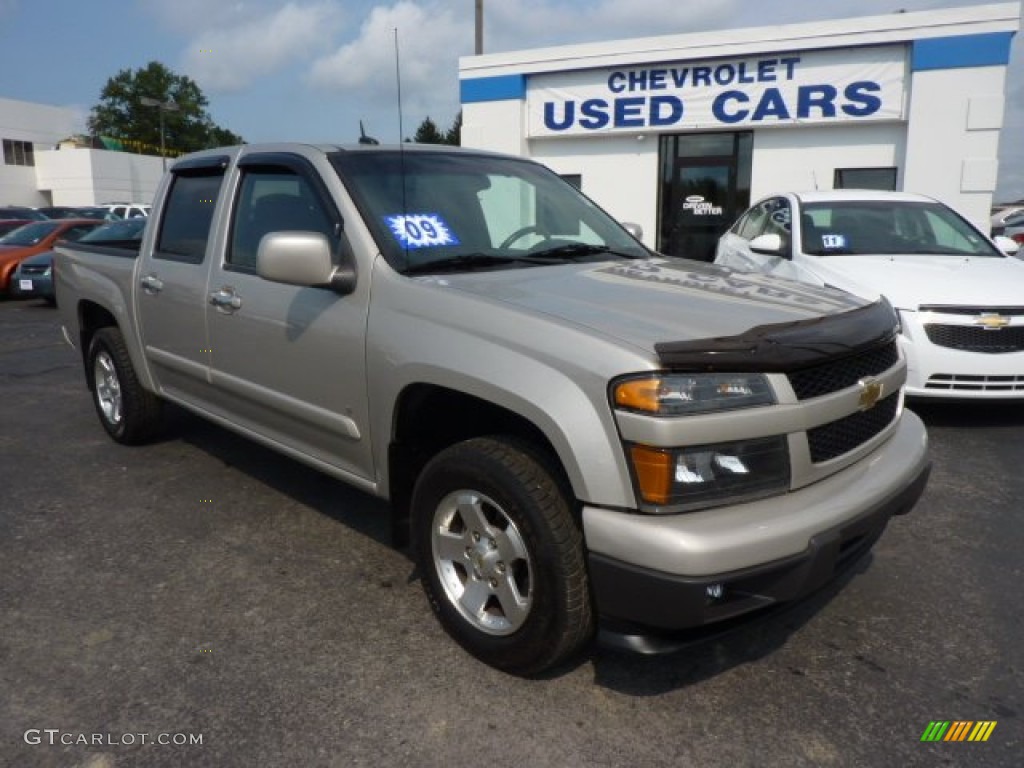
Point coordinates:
[(769, 245), (303, 258), (1007, 245), (634, 229)]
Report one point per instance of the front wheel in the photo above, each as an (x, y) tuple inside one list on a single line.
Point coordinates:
[(501, 555), (129, 413)]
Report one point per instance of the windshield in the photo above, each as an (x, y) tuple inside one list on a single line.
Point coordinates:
[(889, 227), (466, 211), (30, 234)]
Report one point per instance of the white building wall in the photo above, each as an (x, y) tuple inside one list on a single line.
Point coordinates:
[(626, 164), (799, 159), (499, 126), (93, 176), (953, 137), (43, 126)]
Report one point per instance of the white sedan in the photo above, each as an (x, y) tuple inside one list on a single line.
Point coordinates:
[(960, 298)]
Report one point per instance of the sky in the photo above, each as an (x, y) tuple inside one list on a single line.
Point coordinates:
[(310, 70)]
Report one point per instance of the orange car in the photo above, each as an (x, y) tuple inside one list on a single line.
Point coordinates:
[(36, 237)]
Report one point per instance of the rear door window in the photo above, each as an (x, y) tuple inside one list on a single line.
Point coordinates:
[(188, 215)]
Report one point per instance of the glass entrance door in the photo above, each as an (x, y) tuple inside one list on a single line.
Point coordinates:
[(705, 187)]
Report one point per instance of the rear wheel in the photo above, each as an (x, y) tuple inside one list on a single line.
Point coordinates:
[(129, 413), (501, 555)]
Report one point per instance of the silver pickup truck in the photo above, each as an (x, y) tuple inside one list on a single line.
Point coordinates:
[(572, 430)]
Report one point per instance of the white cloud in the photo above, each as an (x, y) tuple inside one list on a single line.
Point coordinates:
[(230, 56), (431, 37)]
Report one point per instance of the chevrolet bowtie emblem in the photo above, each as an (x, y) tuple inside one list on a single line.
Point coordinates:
[(871, 393), (991, 321)]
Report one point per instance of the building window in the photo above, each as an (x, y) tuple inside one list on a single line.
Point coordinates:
[(575, 179), (865, 178), (18, 152)]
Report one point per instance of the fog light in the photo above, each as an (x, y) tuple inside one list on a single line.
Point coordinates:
[(715, 591)]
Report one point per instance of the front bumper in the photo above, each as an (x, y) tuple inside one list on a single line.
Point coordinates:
[(28, 286), (655, 571), (935, 371)]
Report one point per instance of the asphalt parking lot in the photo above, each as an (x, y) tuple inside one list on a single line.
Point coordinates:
[(205, 587)]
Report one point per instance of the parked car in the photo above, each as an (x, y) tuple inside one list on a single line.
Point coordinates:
[(9, 225), (569, 427), (128, 210), (77, 212), (36, 237), (34, 276), (1002, 214), (21, 212), (960, 298), (1013, 228)]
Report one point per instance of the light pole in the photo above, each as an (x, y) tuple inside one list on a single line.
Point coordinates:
[(163, 106), (479, 47)]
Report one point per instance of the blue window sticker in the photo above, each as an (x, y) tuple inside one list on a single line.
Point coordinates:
[(420, 230), (833, 242)]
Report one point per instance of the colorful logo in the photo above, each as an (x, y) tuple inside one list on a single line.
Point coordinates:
[(958, 730)]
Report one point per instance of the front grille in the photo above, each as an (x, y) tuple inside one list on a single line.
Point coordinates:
[(844, 435), (951, 382), (969, 338), (944, 309), (839, 374)]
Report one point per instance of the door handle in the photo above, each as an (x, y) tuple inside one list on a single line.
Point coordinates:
[(152, 284), (226, 300)]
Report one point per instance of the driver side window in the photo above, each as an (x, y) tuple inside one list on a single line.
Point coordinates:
[(273, 200)]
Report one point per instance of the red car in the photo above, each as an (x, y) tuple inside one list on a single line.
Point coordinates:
[(36, 237)]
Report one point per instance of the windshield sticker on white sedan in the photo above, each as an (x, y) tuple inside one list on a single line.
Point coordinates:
[(421, 230), (833, 242)]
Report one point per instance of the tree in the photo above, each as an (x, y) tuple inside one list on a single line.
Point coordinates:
[(454, 134), (429, 133), (121, 114)]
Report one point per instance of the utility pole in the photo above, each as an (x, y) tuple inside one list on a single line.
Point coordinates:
[(479, 27), (163, 106)]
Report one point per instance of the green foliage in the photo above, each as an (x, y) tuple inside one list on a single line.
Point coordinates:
[(121, 114), (454, 134), (429, 133)]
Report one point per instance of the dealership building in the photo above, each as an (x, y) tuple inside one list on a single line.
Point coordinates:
[(41, 166), (680, 133)]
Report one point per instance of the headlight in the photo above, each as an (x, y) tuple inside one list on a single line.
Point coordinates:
[(691, 477), (681, 394), (708, 475)]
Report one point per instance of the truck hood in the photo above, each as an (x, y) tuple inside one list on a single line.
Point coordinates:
[(646, 302), (912, 280)]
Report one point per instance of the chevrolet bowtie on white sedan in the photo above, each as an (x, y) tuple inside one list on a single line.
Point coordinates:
[(960, 297)]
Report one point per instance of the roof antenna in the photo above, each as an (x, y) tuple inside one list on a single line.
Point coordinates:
[(401, 145), (363, 138)]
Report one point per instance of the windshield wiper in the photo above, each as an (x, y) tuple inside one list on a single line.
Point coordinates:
[(465, 262), (571, 251)]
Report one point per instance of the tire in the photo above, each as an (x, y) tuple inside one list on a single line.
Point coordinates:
[(130, 414), (501, 556)]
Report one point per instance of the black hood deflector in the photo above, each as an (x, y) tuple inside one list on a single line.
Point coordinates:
[(785, 347)]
